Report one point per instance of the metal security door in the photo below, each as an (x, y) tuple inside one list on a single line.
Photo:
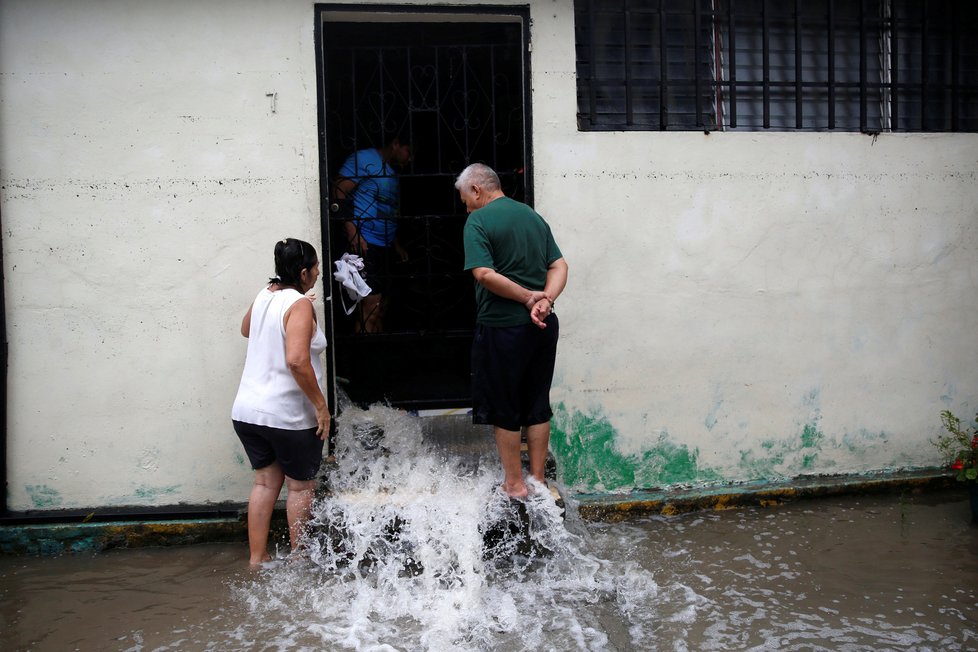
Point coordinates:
[(454, 88)]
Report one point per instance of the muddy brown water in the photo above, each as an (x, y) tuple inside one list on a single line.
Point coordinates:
[(881, 572)]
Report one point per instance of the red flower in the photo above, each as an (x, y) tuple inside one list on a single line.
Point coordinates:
[(957, 466)]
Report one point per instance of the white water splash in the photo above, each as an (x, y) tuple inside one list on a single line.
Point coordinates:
[(418, 550)]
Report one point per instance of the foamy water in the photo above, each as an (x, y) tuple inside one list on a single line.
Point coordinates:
[(400, 563), (405, 567)]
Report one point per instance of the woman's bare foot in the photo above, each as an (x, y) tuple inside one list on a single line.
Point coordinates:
[(257, 564)]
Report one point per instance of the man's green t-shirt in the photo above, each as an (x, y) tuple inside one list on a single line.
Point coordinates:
[(512, 239)]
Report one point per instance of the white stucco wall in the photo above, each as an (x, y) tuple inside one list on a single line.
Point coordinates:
[(741, 306), (743, 292), (145, 181), (753, 306)]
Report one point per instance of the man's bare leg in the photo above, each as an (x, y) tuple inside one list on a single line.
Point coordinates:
[(537, 444), (508, 444), (371, 314)]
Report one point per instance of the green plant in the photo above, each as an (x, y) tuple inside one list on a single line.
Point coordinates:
[(959, 446)]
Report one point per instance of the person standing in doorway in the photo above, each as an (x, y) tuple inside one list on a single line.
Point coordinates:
[(368, 185), (280, 413), (519, 272)]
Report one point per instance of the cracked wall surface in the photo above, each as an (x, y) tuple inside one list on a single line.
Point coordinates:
[(741, 306)]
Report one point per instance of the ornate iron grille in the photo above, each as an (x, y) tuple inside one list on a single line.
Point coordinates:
[(455, 93)]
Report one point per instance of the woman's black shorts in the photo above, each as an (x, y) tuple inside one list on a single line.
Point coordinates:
[(512, 369), (298, 452)]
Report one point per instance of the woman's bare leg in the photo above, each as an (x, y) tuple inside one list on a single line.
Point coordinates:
[(298, 508), (261, 504)]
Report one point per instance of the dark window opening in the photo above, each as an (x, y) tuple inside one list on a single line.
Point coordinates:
[(856, 65)]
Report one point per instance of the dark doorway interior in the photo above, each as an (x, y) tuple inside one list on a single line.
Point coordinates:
[(456, 92)]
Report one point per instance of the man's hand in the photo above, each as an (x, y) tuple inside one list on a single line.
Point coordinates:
[(534, 298), (402, 253), (541, 310)]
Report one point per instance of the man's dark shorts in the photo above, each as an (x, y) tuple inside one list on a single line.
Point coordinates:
[(298, 452), (512, 369), (378, 268)]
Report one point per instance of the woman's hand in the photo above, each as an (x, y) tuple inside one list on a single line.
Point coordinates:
[(323, 418)]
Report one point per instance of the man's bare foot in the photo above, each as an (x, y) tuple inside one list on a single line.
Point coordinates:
[(536, 487), (517, 491)]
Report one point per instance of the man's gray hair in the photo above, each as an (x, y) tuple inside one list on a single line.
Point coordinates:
[(478, 174)]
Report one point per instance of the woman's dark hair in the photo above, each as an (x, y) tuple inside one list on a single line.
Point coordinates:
[(291, 257)]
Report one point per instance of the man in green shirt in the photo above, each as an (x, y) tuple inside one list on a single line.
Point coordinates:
[(519, 272)]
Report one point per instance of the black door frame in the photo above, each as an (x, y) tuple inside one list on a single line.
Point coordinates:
[(3, 385), (409, 14)]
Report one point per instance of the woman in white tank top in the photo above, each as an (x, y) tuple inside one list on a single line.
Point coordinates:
[(280, 412)]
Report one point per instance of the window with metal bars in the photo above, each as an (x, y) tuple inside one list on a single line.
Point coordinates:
[(812, 65)]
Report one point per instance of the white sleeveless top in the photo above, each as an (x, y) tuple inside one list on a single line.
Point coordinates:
[(268, 394)]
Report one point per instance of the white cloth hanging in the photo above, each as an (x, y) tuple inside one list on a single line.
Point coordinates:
[(347, 273)]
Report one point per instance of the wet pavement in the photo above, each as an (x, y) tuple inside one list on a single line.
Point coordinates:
[(880, 572)]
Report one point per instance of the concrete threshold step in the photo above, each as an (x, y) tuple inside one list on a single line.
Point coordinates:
[(400, 497)]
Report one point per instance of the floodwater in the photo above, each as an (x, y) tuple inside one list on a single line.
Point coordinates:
[(404, 566)]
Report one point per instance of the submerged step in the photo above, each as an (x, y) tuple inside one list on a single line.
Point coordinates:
[(514, 527), (402, 490)]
